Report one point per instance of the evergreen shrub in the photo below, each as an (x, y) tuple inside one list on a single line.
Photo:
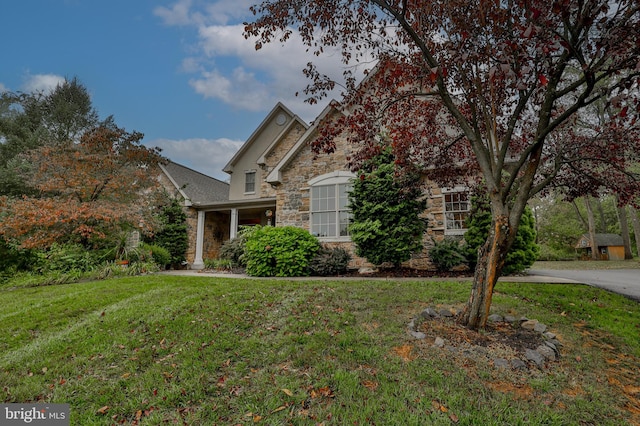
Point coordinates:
[(329, 261)]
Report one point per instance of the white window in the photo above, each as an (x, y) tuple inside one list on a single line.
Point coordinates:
[(250, 182), (456, 212), (330, 215)]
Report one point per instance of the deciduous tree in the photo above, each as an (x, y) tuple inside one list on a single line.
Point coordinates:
[(85, 190), (31, 120), (487, 89)]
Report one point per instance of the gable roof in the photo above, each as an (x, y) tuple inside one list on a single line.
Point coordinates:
[(276, 174), (278, 108), (197, 188), (602, 240)]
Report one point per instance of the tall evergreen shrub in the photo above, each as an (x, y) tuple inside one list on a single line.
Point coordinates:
[(386, 204)]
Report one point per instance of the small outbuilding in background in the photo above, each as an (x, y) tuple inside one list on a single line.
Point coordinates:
[(610, 247)]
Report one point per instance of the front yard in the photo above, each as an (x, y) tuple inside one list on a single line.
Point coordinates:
[(198, 350)]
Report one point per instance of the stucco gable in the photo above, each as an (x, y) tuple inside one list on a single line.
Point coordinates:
[(283, 119), (275, 176)]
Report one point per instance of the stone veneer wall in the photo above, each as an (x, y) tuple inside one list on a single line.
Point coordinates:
[(216, 232), (293, 200), (192, 227), (278, 152)]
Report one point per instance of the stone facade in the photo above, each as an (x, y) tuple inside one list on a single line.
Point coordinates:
[(293, 200), (288, 167)]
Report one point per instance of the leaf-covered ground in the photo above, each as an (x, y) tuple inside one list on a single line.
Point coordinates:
[(198, 350)]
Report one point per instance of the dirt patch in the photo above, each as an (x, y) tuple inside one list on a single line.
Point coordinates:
[(498, 340)]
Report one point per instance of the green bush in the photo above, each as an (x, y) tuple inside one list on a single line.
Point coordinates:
[(386, 203), (173, 232), (218, 264), (329, 261), (279, 251), (548, 252), (234, 249), (446, 254), (160, 255), (65, 258), (524, 250)]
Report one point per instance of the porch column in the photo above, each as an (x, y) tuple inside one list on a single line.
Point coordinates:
[(198, 263), (233, 231)]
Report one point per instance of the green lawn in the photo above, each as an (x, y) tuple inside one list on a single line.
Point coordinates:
[(197, 350)]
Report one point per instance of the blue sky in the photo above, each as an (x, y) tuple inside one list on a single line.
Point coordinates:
[(179, 71)]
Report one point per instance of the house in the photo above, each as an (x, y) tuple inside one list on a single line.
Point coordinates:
[(276, 178), (610, 246)]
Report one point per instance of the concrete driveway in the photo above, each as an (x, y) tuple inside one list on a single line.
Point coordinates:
[(621, 281)]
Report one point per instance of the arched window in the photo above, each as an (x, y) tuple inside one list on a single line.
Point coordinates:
[(329, 200)]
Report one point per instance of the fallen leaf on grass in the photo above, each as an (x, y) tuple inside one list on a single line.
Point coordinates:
[(287, 392), (631, 389), (103, 410), (404, 352), (280, 408), (320, 392), (454, 418), (439, 407), (369, 384)]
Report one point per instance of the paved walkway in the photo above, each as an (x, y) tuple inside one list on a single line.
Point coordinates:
[(514, 279)]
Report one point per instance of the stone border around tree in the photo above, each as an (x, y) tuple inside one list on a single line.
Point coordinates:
[(549, 351)]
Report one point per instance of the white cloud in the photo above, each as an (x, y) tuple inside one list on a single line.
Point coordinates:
[(207, 156), (224, 11), (227, 67), (41, 82), (3, 88), (260, 77), (178, 14), (240, 89)]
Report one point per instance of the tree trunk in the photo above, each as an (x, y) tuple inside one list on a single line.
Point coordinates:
[(603, 221), (595, 253), (624, 229), (635, 222), (491, 259)]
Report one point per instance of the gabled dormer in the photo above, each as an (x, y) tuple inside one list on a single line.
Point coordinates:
[(269, 142)]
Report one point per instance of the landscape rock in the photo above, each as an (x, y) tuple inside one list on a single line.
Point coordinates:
[(529, 324), (495, 318), (518, 364), (446, 313), (549, 335), (418, 335), (553, 347), (429, 313), (539, 327), (534, 356), (500, 363), (556, 342), (439, 342), (366, 271), (546, 352), (509, 318), (412, 325)]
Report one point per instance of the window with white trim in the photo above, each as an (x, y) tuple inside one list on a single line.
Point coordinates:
[(456, 212), (330, 215), (250, 181)]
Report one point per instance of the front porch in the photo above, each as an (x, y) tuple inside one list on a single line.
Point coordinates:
[(220, 223)]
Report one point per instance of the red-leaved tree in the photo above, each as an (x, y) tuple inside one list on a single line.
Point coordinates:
[(87, 190), (483, 91)]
